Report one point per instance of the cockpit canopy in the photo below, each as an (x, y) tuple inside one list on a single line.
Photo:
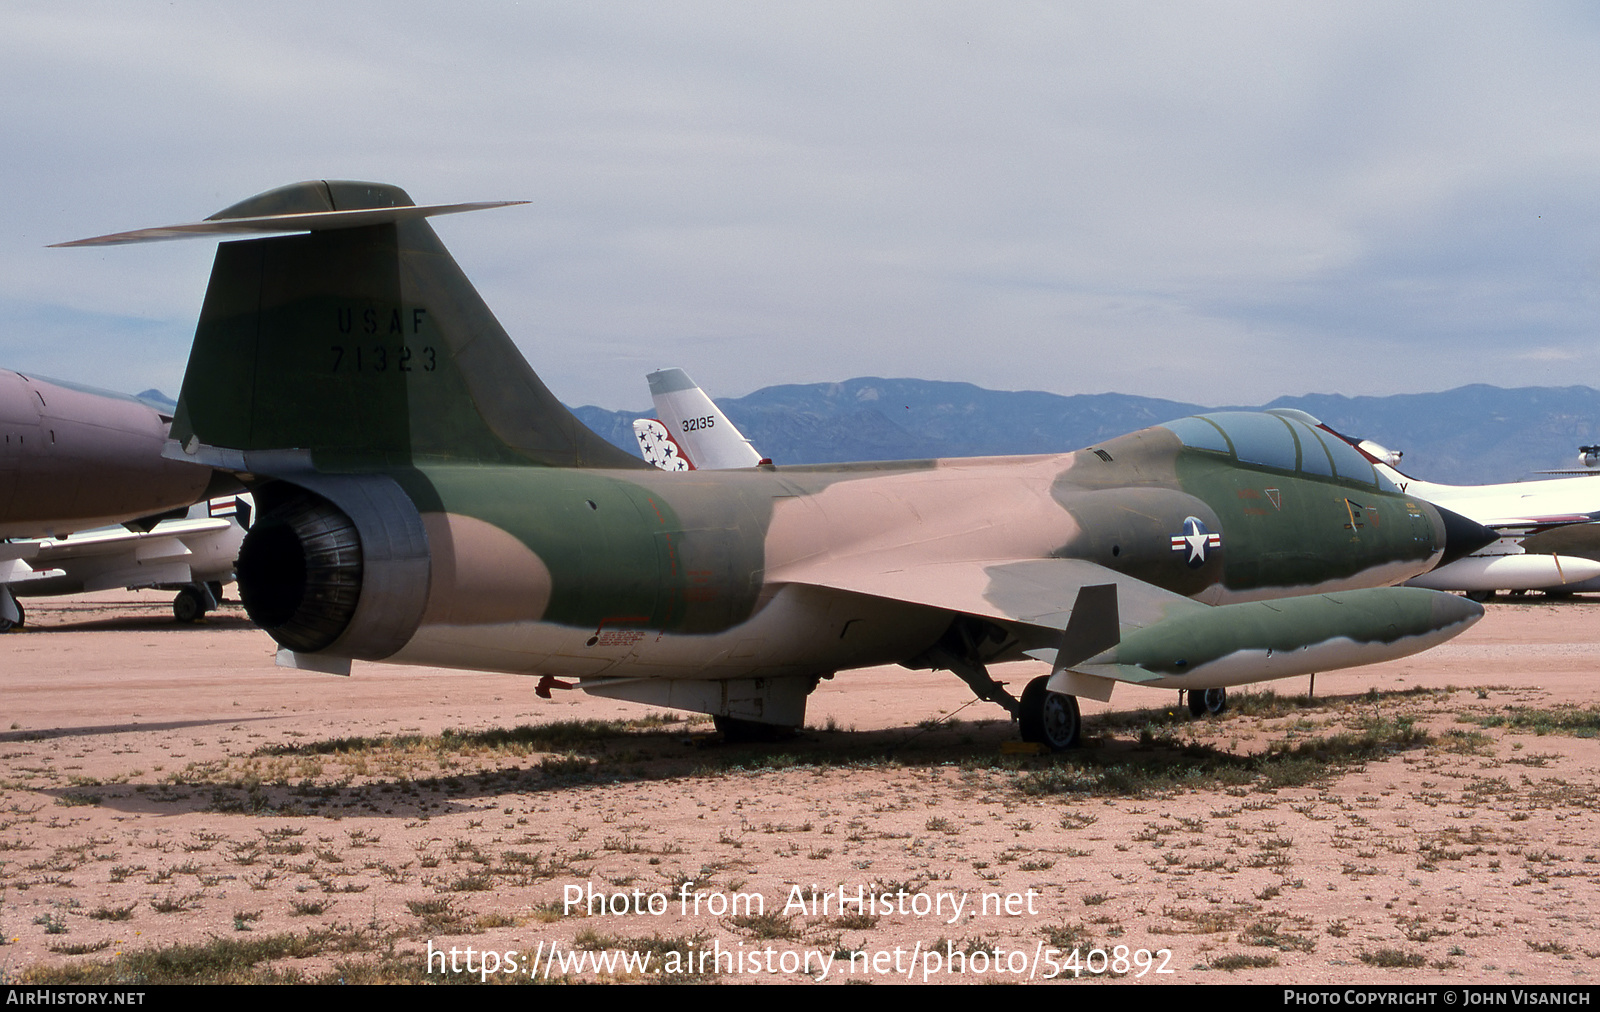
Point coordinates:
[(1282, 439)]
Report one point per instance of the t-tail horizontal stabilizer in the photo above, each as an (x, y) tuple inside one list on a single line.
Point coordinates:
[(355, 346), (225, 224)]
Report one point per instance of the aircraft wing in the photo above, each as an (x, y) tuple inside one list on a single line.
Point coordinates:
[(17, 571), (109, 557), (1039, 593), (1096, 627), (164, 541), (11, 551), (1572, 539)]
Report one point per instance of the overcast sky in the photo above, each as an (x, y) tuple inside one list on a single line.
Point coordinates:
[(1212, 202)]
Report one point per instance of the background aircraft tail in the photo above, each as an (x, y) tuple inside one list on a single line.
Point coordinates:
[(657, 446), (697, 425), (361, 341)]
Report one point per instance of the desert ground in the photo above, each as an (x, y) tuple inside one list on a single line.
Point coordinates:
[(175, 807)]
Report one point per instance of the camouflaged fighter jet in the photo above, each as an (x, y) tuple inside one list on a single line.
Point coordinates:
[(424, 499)]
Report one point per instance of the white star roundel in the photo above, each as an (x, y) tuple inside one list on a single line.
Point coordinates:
[(1195, 542)]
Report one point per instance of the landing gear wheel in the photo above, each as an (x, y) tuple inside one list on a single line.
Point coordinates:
[(1479, 596), (1207, 702), (736, 731), (188, 606), (1049, 718), (215, 586)]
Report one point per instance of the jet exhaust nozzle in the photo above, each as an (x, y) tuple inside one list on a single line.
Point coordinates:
[(336, 565)]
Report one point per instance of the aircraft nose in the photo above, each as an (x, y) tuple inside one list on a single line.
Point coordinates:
[(1462, 537)]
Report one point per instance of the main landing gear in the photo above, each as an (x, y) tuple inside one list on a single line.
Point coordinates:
[(744, 732), (11, 614), (1049, 718), (195, 600), (1207, 702)]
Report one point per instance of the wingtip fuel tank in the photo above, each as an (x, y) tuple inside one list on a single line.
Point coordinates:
[(1260, 640)]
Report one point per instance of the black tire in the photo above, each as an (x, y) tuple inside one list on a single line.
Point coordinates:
[(1049, 718), (188, 606), (1480, 596), (1215, 701), (215, 586), (6, 625)]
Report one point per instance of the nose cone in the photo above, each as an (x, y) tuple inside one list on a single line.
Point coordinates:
[(1450, 610), (1462, 537)]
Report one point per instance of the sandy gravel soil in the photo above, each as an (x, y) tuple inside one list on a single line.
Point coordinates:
[(168, 795)]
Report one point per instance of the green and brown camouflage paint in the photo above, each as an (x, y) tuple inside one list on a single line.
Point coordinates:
[(363, 352)]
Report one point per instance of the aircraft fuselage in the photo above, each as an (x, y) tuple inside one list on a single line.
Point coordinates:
[(71, 459), (711, 574)]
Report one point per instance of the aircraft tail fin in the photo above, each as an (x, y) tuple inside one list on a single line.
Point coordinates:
[(360, 341), (710, 440)]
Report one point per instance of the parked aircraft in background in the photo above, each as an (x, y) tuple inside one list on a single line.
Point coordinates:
[(692, 432), (73, 458), (192, 554), (424, 499), (1549, 537), (657, 446), (1588, 462)]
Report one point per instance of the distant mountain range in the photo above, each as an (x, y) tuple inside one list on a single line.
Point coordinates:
[(1473, 434)]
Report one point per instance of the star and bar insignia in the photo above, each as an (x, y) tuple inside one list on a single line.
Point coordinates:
[(1196, 540)]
